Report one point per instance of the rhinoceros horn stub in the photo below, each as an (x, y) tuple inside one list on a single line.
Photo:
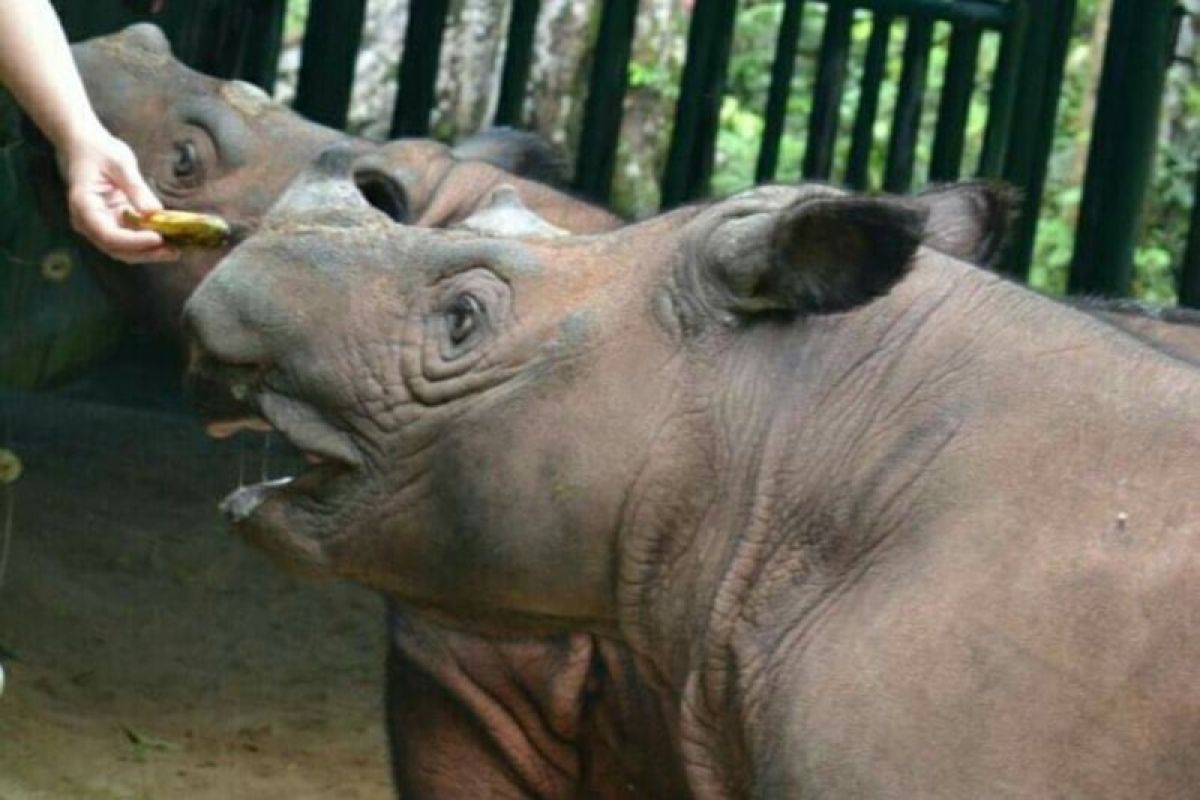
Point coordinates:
[(325, 195), (503, 214)]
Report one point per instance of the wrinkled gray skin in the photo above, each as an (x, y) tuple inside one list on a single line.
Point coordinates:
[(1175, 331), (454, 697), (936, 545), (224, 147)]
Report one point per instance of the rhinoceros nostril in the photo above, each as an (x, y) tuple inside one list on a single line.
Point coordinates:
[(383, 192)]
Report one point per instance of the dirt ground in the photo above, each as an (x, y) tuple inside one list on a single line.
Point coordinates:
[(148, 652)]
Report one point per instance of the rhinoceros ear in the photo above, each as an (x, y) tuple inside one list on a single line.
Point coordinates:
[(970, 221), (820, 255), (520, 153)]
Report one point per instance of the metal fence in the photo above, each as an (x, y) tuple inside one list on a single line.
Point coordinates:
[(241, 38)]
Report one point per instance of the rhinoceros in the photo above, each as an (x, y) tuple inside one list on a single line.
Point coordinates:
[(222, 146), (587, 723), (869, 521), (225, 147)]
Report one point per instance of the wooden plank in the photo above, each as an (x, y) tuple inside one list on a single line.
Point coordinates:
[(331, 38), (518, 54), (416, 92), (906, 123), (606, 96), (782, 69), (862, 139), (694, 136), (827, 92)]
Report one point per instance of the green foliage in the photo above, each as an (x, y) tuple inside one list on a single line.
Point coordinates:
[(295, 16), (742, 124)]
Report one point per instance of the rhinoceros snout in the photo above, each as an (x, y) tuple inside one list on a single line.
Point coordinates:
[(219, 323)]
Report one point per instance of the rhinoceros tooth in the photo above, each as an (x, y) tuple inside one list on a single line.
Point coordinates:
[(241, 503)]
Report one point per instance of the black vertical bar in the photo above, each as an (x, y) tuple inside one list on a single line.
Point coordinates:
[(862, 140), (827, 91), (211, 37), (1003, 97), (1028, 153), (517, 56), (1121, 159), (416, 92), (782, 69), (1189, 278), (906, 124), (606, 96), (955, 105), (262, 42), (690, 157), (331, 38)]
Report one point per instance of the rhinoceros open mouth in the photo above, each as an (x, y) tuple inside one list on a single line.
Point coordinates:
[(236, 399)]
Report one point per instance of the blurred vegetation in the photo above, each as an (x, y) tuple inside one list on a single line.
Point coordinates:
[(1166, 211)]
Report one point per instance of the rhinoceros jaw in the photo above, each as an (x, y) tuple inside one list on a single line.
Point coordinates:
[(243, 502)]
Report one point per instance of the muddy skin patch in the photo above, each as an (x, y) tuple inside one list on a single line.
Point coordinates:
[(246, 98)]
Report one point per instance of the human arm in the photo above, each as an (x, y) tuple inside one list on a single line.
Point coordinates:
[(100, 170)]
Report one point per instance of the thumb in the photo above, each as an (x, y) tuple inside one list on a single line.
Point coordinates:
[(129, 179)]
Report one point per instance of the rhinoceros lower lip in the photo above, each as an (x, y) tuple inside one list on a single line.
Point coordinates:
[(241, 504)]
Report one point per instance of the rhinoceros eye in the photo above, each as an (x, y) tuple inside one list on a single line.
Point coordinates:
[(187, 161), (462, 318)]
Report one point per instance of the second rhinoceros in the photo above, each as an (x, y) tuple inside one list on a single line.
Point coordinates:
[(224, 147), (872, 522)]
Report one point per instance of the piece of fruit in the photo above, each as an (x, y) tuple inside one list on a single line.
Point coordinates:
[(183, 228)]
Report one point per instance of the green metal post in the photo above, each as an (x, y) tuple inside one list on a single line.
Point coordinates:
[(827, 92), (1121, 159), (417, 90), (1003, 99), (690, 157), (906, 124), (782, 69), (331, 38), (517, 55), (987, 13), (1189, 283), (606, 95), (862, 140), (1038, 87), (948, 140), (262, 42)]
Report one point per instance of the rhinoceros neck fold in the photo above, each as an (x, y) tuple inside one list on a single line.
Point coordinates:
[(843, 446), (767, 479)]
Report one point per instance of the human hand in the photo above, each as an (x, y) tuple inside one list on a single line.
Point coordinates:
[(103, 179)]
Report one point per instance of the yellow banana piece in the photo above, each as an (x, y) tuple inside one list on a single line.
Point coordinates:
[(183, 228)]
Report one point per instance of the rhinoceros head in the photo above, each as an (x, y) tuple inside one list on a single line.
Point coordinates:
[(477, 408), (225, 147), (203, 144)]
